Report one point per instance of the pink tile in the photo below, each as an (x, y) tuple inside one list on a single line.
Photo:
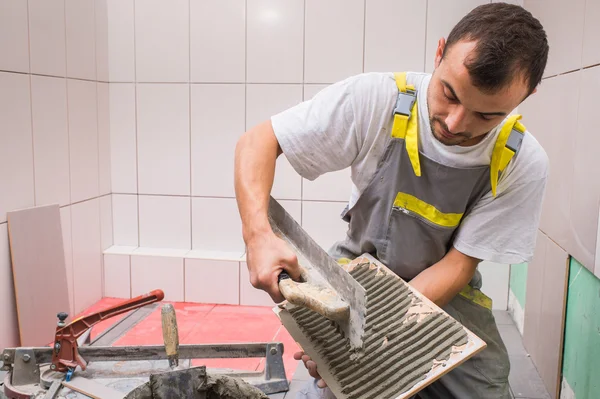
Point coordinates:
[(47, 37), (121, 57), (212, 281), (9, 330), (14, 28), (157, 272), (123, 141), (81, 39), (117, 276), (101, 14), (104, 138)]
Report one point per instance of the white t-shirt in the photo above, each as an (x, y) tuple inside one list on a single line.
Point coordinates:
[(347, 125)]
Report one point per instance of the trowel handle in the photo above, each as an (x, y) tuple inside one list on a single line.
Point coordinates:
[(170, 334), (319, 299)]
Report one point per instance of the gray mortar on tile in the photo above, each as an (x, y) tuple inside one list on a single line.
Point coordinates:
[(397, 353)]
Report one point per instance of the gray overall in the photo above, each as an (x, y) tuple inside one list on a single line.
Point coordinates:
[(408, 222)]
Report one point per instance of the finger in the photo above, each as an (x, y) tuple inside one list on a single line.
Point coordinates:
[(273, 290), (321, 383), (305, 358), (312, 369), (298, 355)]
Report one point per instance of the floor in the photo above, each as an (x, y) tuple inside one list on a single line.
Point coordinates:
[(205, 323)]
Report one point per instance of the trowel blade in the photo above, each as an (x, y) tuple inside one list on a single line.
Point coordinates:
[(324, 271)]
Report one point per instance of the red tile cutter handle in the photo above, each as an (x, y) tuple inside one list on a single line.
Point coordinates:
[(65, 355)]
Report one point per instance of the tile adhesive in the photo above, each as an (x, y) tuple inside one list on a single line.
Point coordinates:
[(404, 339)]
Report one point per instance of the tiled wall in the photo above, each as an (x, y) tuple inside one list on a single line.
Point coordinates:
[(54, 136), (188, 77)]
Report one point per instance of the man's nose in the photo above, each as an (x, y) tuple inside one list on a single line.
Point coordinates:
[(456, 120)]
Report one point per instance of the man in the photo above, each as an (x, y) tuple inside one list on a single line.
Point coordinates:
[(443, 177)]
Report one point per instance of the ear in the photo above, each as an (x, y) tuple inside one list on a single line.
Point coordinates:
[(440, 51)]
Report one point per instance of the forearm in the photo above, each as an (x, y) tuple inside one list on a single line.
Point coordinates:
[(443, 280), (255, 156)]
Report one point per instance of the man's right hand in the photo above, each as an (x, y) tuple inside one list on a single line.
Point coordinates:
[(267, 255)]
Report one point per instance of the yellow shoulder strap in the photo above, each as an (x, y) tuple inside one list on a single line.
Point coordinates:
[(503, 153), (405, 120)]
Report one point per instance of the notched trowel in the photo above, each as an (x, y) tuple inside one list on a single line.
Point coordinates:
[(326, 288)]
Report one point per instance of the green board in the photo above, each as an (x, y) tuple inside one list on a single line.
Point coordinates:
[(518, 282)]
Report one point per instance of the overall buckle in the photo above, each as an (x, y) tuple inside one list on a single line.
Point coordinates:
[(405, 102)]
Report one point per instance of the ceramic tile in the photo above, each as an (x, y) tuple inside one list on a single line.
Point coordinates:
[(585, 196), (164, 252), (9, 331), (81, 40), (381, 24), (162, 40), (15, 144), (123, 141), (250, 296), (50, 140), (563, 23), (323, 223), (125, 219), (117, 276), (14, 25), (591, 32), (83, 139), (121, 250), (333, 45), (512, 340), (163, 136), (214, 255), (101, 14), (524, 379), (212, 281), (275, 41), (106, 222), (294, 208), (121, 51), (310, 90), (218, 113), (149, 273), (65, 222), (103, 138), (164, 222), (262, 102), (441, 17), (503, 318), (548, 359), (559, 147), (87, 254), (216, 225), (47, 37), (534, 292), (495, 283), (224, 22)]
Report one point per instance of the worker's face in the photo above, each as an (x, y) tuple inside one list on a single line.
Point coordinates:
[(461, 114)]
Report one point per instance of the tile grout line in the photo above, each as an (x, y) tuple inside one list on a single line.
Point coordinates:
[(135, 110), (31, 106), (190, 131)]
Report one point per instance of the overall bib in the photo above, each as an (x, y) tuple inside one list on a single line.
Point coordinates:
[(408, 216)]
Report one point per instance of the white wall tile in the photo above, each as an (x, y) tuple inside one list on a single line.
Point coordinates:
[(390, 45), (495, 283), (585, 196), (14, 30), (216, 225), (442, 15), (563, 23), (165, 222), (275, 41), (87, 254), (163, 139), (50, 140), (83, 139), (117, 276), (294, 208), (9, 329), (106, 222), (123, 140), (162, 40), (218, 113), (250, 296), (323, 223), (333, 40), (101, 13), (121, 51), (16, 152), (149, 273), (81, 39), (212, 281), (47, 37), (262, 102), (125, 220), (224, 22), (334, 186), (65, 222), (591, 33), (103, 139)]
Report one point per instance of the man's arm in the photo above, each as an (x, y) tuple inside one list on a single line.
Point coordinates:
[(266, 254), (443, 280)]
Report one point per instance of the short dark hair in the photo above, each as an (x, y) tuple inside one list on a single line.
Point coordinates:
[(510, 42)]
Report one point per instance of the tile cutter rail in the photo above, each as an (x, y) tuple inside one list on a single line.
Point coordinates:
[(32, 371)]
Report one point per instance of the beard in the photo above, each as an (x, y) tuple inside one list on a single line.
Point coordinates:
[(438, 126)]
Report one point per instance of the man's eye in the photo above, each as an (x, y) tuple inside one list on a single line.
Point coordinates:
[(485, 117), (449, 98)]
